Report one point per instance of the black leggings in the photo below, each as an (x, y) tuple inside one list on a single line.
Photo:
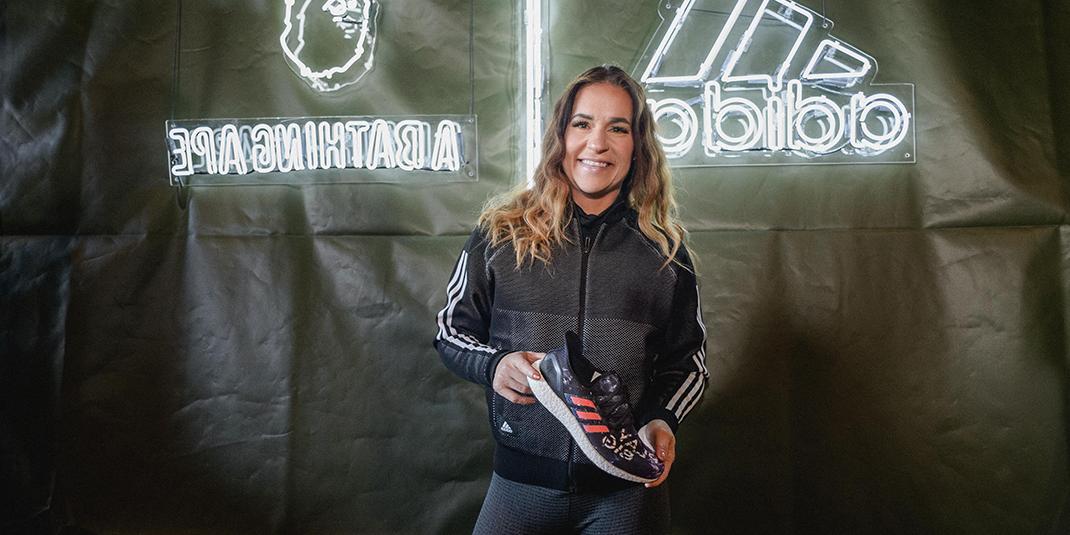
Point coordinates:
[(516, 508)]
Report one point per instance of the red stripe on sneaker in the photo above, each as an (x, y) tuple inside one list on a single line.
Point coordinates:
[(583, 415), (596, 429), (582, 402)]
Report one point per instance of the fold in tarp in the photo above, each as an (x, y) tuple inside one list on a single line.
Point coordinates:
[(888, 343)]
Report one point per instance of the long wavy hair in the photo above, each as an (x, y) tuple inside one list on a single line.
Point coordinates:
[(534, 219)]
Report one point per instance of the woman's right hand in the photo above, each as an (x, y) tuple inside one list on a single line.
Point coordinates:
[(511, 376)]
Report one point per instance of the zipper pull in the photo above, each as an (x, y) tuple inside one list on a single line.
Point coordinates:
[(587, 244)]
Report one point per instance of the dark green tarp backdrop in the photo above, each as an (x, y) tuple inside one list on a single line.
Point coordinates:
[(888, 343)]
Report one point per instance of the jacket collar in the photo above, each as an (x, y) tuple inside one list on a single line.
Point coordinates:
[(614, 213)]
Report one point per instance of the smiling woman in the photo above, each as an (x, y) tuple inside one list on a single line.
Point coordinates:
[(535, 218), (598, 146), (593, 247)]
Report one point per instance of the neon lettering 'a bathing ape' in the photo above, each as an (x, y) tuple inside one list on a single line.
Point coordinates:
[(262, 147)]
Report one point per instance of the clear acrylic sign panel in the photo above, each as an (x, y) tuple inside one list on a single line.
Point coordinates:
[(757, 82), (322, 150)]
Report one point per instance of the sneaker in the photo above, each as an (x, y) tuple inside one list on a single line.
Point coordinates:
[(593, 406)]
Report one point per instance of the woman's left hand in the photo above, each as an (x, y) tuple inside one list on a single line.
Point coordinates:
[(659, 436)]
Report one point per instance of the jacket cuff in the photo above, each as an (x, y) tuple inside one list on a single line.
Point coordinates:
[(492, 366), (658, 413)]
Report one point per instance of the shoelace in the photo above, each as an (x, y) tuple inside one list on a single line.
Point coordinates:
[(614, 405)]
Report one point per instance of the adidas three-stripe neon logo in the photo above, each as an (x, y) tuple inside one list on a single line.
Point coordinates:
[(765, 82)]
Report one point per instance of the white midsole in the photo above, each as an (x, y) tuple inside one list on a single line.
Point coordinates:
[(549, 399)]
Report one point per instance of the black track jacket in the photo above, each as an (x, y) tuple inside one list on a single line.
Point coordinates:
[(635, 318)]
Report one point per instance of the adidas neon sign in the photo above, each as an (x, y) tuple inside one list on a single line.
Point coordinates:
[(770, 86)]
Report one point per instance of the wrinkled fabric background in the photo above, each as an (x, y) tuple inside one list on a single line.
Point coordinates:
[(888, 344)]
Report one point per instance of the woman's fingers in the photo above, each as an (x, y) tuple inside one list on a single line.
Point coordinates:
[(514, 394), (664, 474), (520, 370), (660, 437), (525, 400), (520, 385), (533, 369), (511, 377)]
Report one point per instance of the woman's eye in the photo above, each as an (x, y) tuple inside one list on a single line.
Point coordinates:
[(579, 124), (619, 130)]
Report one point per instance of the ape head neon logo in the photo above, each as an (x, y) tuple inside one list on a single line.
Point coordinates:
[(329, 43)]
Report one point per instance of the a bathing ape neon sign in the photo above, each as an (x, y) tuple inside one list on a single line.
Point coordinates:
[(329, 43), (785, 92), (244, 146)]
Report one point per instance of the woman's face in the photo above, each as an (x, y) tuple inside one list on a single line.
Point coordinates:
[(598, 145)]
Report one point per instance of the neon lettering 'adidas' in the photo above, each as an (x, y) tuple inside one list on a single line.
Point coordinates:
[(765, 82), (596, 413)]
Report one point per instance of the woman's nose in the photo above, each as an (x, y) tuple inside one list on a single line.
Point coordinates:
[(597, 140)]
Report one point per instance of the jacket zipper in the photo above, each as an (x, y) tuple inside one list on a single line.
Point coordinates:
[(585, 249)]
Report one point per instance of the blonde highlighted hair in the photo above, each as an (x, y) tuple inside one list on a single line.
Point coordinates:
[(534, 219)]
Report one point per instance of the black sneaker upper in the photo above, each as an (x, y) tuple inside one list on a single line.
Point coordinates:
[(598, 410)]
